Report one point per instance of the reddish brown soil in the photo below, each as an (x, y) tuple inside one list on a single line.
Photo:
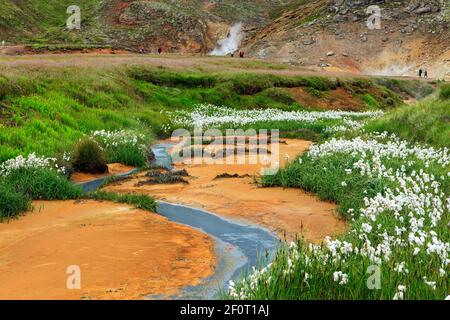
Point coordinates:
[(338, 99)]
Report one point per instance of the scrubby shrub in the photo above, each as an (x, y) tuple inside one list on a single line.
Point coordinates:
[(89, 157)]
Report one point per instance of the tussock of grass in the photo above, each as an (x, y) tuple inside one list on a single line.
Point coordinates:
[(139, 201), (42, 184), (12, 203), (21, 186), (89, 157)]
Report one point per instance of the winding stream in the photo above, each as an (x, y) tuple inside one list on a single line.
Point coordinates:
[(239, 246)]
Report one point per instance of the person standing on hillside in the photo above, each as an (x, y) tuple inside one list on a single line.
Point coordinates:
[(242, 54), (420, 73), (425, 75), (159, 50)]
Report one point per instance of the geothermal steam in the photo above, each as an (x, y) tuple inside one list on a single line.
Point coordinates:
[(231, 43)]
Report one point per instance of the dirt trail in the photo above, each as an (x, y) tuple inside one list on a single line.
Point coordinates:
[(123, 253), (288, 212)]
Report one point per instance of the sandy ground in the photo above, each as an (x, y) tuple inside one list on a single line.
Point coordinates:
[(123, 253), (113, 169), (288, 212)]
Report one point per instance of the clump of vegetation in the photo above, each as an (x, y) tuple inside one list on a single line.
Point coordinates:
[(444, 92), (88, 157), (42, 184), (140, 201), (12, 203), (23, 184), (164, 177), (125, 146), (231, 176)]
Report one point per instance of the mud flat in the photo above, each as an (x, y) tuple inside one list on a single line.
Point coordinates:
[(287, 212), (123, 253)]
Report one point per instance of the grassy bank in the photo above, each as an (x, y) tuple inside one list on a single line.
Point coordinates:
[(425, 122), (45, 111), (394, 194)]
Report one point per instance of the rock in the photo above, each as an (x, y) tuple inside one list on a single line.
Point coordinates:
[(345, 54), (423, 10), (385, 39), (364, 39), (309, 42), (331, 53)]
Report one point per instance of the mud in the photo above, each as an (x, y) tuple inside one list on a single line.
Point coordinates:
[(123, 253), (287, 212)]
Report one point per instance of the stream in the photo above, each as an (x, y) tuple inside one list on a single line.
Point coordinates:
[(238, 246)]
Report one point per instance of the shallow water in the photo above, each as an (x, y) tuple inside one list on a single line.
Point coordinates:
[(239, 246)]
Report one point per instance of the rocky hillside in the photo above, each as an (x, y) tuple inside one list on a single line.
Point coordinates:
[(192, 26), (323, 34), (334, 35)]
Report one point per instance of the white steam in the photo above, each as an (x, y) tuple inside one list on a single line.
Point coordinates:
[(393, 70), (231, 43)]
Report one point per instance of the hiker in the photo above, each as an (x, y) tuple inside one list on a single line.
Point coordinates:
[(159, 50), (242, 54), (141, 50), (425, 75), (420, 73)]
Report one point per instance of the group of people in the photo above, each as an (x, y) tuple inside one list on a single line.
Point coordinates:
[(142, 51), (424, 72)]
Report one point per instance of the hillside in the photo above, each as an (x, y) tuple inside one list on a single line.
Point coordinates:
[(326, 35), (333, 35), (176, 26)]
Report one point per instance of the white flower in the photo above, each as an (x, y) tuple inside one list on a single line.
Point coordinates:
[(339, 276)]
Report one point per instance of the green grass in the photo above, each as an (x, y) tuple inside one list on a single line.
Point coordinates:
[(309, 276), (12, 203), (324, 177), (139, 201), (89, 157), (444, 93), (42, 184), (427, 121), (21, 186), (47, 111)]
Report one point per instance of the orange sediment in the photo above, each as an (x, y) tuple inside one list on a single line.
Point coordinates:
[(288, 212), (123, 253)]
